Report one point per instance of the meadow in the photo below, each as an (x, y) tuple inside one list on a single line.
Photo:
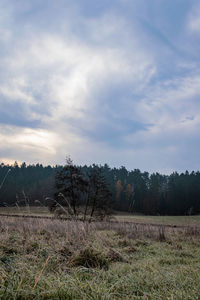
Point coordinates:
[(56, 259), (118, 216)]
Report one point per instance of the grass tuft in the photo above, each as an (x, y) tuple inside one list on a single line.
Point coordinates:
[(115, 256), (89, 258)]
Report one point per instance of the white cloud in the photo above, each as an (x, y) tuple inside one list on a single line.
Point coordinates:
[(170, 104), (194, 19), (31, 143)]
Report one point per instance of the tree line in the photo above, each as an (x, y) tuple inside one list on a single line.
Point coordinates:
[(131, 191)]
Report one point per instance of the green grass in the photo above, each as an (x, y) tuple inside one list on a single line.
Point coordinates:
[(26, 210), (171, 220), (44, 259)]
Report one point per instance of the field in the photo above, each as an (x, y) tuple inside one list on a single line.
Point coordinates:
[(119, 216), (166, 220), (54, 259)]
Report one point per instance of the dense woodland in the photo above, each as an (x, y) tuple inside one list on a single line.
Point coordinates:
[(133, 191)]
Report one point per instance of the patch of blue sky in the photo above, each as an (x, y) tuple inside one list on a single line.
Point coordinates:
[(15, 114), (113, 135)]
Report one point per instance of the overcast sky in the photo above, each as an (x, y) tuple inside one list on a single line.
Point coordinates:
[(110, 81)]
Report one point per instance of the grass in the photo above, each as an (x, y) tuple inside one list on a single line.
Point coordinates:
[(168, 220), (26, 210), (119, 216), (52, 259)]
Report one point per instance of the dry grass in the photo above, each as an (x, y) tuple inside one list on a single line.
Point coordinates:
[(118, 216), (54, 259)]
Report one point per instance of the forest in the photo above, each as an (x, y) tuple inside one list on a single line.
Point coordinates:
[(132, 191)]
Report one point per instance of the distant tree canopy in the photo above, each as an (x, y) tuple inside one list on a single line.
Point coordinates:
[(133, 191)]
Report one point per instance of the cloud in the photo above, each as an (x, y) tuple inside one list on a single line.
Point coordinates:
[(109, 82), (59, 81), (194, 18), (32, 143)]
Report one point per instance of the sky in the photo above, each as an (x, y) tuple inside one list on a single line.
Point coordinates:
[(110, 81)]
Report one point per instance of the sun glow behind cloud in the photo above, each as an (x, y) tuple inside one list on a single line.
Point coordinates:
[(114, 85)]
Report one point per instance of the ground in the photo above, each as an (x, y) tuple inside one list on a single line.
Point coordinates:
[(53, 259), (120, 216)]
